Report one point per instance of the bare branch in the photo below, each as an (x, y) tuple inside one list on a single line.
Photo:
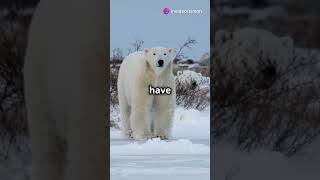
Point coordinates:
[(137, 45), (187, 44)]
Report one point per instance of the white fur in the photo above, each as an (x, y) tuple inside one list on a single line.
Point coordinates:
[(64, 87), (187, 77), (144, 116)]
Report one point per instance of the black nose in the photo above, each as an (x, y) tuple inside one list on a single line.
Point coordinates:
[(160, 62)]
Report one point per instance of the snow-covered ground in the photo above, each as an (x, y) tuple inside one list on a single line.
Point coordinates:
[(230, 163), (185, 157)]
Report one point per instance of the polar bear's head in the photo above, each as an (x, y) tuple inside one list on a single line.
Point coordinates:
[(158, 58), (189, 78)]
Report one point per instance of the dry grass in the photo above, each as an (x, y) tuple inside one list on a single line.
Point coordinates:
[(13, 122), (267, 106)]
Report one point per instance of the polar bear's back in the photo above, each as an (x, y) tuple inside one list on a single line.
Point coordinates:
[(132, 63), (129, 73)]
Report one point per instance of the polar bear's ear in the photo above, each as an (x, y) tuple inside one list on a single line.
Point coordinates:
[(179, 73), (170, 50), (146, 50)]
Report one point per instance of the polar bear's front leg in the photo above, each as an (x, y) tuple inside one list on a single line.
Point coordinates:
[(140, 116), (163, 116)]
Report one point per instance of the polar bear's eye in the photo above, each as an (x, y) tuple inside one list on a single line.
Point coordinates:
[(165, 54), (154, 54)]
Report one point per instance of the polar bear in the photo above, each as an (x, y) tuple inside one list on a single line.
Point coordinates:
[(143, 115), (253, 53), (253, 48), (189, 78), (64, 90)]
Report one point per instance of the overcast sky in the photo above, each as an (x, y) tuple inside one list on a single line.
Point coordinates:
[(144, 20)]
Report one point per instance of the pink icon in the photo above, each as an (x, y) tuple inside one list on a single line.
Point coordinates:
[(166, 10)]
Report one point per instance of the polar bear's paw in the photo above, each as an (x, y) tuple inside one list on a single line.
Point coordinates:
[(162, 137), (162, 133), (127, 133), (141, 135)]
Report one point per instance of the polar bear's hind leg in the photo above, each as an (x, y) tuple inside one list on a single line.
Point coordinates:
[(125, 121)]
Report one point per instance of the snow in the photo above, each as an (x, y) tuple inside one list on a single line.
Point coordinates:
[(159, 147), (186, 156), (231, 163), (191, 123)]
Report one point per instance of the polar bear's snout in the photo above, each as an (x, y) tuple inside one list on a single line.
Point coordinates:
[(160, 63)]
